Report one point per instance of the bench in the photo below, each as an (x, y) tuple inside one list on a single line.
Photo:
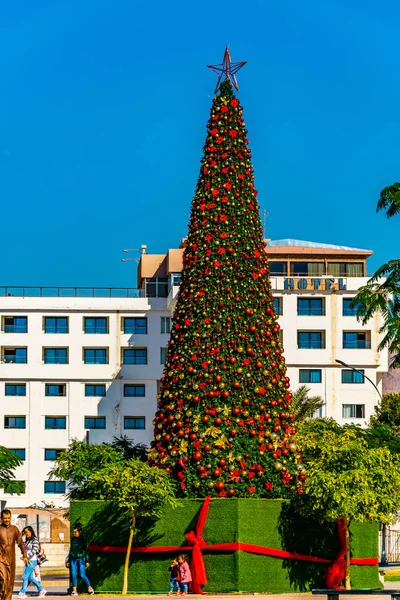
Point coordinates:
[(334, 594)]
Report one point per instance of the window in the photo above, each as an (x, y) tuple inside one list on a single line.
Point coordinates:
[(311, 339), (134, 390), (346, 269), (95, 422), (95, 356), (15, 355), (95, 324), (92, 389), (350, 376), (310, 306), (356, 339), (20, 452), (54, 487), (348, 311), (56, 324), (163, 355), (353, 411), (134, 356), (55, 389), (15, 324), (278, 306), (166, 324), (310, 376), (156, 287), (14, 422), (277, 267), (15, 389), (52, 453), (55, 422), (55, 356), (134, 423), (317, 414), (136, 325), (15, 487), (307, 269)]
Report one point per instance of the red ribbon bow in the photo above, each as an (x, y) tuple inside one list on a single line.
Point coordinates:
[(195, 539)]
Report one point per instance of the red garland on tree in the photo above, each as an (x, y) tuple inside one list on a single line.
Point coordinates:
[(224, 425)]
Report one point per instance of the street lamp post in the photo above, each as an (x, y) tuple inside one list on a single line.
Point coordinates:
[(383, 552)]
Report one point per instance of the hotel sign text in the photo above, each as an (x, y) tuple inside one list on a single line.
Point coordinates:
[(314, 283)]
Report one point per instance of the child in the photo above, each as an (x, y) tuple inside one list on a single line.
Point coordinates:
[(174, 577), (185, 574), (78, 559), (32, 551)]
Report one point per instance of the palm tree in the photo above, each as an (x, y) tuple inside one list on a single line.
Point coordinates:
[(384, 298), (305, 406)]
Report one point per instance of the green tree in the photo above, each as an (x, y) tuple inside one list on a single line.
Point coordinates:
[(138, 487), (77, 463), (346, 479), (8, 463), (224, 424), (305, 406), (384, 298), (388, 412), (129, 449)]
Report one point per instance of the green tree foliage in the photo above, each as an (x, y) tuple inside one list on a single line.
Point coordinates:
[(384, 298), (8, 463), (224, 424), (129, 449), (305, 406), (136, 486), (347, 479), (78, 462)]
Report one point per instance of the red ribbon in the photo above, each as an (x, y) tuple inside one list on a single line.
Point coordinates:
[(334, 575)]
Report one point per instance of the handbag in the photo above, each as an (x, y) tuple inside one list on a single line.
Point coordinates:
[(41, 556)]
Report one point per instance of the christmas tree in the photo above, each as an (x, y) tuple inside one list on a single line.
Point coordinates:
[(223, 425)]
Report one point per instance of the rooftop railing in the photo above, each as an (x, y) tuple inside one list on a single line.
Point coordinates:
[(71, 292)]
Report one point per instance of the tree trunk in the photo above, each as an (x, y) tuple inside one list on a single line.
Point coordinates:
[(347, 538), (128, 553)]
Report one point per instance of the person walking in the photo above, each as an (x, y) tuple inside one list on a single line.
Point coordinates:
[(78, 559), (32, 547), (9, 536), (185, 574)]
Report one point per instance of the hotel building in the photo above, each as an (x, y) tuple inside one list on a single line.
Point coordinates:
[(86, 363)]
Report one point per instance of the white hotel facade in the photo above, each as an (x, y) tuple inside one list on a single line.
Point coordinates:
[(86, 363)]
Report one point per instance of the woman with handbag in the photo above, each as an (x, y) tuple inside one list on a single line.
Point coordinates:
[(32, 551)]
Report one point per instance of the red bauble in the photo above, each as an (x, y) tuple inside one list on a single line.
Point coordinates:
[(197, 456), (233, 432), (218, 421), (236, 411), (196, 399), (219, 486), (231, 492), (192, 437), (222, 462), (225, 394), (205, 419), (253, 432), (236, 385), (180, 433), (167, 437), (207, 447), (246, 401), (217, 473), (179, 424)]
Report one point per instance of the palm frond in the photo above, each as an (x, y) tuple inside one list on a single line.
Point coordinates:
[(303, 405), (389, 200)]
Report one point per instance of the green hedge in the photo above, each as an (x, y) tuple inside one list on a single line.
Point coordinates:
[(269, 523)]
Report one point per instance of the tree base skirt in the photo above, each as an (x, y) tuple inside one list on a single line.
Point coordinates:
[(267, 523)]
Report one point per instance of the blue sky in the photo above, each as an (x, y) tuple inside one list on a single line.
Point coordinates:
[(103, 108)]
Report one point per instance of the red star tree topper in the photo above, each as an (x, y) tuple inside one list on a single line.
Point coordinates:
[(224, 425)]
